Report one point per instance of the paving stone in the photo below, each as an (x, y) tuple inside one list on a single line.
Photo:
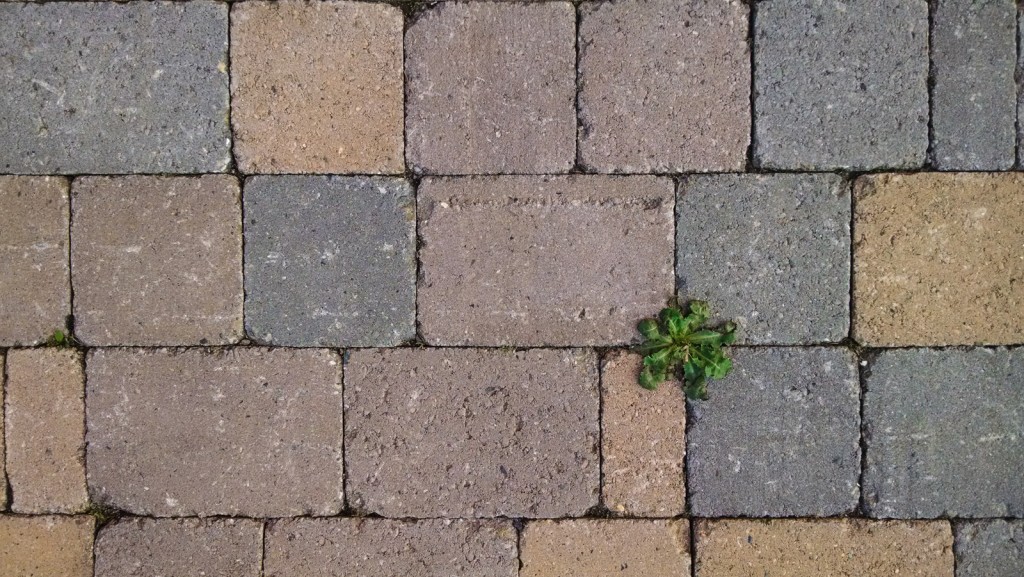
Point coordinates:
[(346, 57), (834, 547), (157, 260), (989, 548), (770, 252), (1019, 76), (3, 444), (643, 441), (472, 432), (330, 261), (927, 244), (180, 547), (45, 430), (543, 261), (35, 288), (45, 546), (819, 107), (130, 87), (665, 86), (943, 434), (779, 437), (247, 431), (491, 88), (603, 548), (388, 547)]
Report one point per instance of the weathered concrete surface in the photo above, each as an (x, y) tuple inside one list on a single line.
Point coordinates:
[(604, 547), (992, 548), (3, 444), (44, 546)]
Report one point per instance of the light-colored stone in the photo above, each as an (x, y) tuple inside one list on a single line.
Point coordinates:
[(46, 546)]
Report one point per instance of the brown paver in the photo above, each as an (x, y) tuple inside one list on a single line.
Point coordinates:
[(938, 259), (35, 287), (472, 432), (157, 260), (45, 429), (665, 85), (835, 547), (387, 548), (606, 548), (317, 87), (246, 431), (541, 261), (491, 88), (46, 546), (643, 441)]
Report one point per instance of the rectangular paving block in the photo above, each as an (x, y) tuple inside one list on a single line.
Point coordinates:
[(317, 87), (543, 261), (643, 441), (129, 87), (664, 86), (606, 547), (834, 547), (491, 88), (35, 287), (943, 431), (390, 547), (472, 432), (3, 444), (769, 252), (248, 431), (780, 436), (330, 261), (841, 85), (974, 94), (157, 260), (937, 259), (38, 546), (993, 548), (45, 430)]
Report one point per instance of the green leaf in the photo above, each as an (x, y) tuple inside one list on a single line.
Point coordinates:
[(701, 310), (697, 391), (718, 367), (691, 372), (649, 329), (673, 321), (728, 333), (658, 362), (705, 336), (649, 379)]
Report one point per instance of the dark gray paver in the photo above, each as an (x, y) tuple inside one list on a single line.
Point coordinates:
[(771, 252), (1020, 88), (989, 548), (329, 260), (841, 84), (779, 436), (105, 87), (943, 432)]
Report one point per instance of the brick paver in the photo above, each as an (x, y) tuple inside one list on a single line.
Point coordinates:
[(937, 259), (665, 86), (3, 444), (317, 87), (599, 547), (248, 431), (157, 260), (110, 87), (992, 548), (472, 432), (943, 434), (537, 261), (45, 430), (38, 546)]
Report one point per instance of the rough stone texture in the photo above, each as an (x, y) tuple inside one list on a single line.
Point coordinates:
[(472, 432), (386, 548), (535, 261), (937, 259), (45, 430), (491, 88), (989, 548), (180, 547), (46, 546), (317, 87), (943, 430), (770, 252), (835, 547), (606, 548), (1019, 76), (329, 261), (247, 431), (841, 84), (665, 86), (157, 260), (35, 287), (643, 442), (129, 87), (779, 437), (3, 444)]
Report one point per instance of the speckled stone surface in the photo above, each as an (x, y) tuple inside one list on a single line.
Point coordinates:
[(605, 547), (993, 548), (46, 545)]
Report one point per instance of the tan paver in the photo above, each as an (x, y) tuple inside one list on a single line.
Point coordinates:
[(46, 546)]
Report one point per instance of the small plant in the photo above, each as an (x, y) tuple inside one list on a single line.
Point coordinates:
[(61, 339), (681, 341)]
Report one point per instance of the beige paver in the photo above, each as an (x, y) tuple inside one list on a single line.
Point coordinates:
[(46, 546)]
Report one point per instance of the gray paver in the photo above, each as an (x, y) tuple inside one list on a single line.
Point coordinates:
[(770, 252), (943, 432), (779, 437), (989, 548), (105, 87), (329, 260), (841, 84)]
